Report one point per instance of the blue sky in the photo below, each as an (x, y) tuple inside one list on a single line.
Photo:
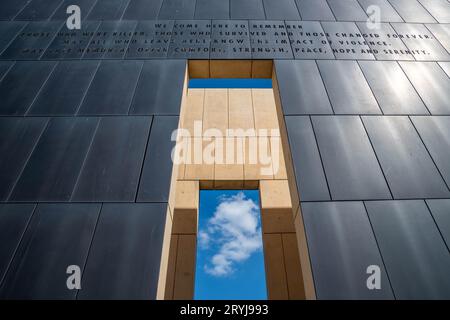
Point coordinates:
[(230, 261), (230, 83)]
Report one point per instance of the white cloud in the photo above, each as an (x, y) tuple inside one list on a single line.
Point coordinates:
[(235, 228), (203, 239)]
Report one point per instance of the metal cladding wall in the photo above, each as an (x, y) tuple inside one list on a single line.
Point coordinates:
[(85, 137)]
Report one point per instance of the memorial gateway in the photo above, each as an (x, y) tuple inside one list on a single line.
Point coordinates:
[(116, 114)]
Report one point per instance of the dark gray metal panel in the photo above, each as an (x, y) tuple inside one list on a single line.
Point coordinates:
[(384, 42), (347, 41), (435, 133), (442, 33), (309, 174), (446, 67), (70, 44), (157, 170), (142, 10), (85, 7), (141, 48), (38, 10), (412, 11), (281, 10), (415, 255), (301, 88), (4, 67), (387, 12), (65, 88), (13, 222), (32, 41), (190, 39), (53, 168), (420, 41), (58, 236), (177, 9), (409, 170), (230, 40), (112, 88), (439, 9), (440, 209), (351, 166), (432, 84), (314, 10), (248, 9), (127, 249), (348, 90), (212, 9), (108, 9), (21, 84), (347, 10), (8, 31), (9, 9), (19, 136), (113, 164), (111, 40), (159, 88), (341, 246), (308, 40), (269, 40), (392, 89)]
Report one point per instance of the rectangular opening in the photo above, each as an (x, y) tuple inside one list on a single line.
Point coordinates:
[(230, 259), (216, 69), (230, 83), (222, 125)]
